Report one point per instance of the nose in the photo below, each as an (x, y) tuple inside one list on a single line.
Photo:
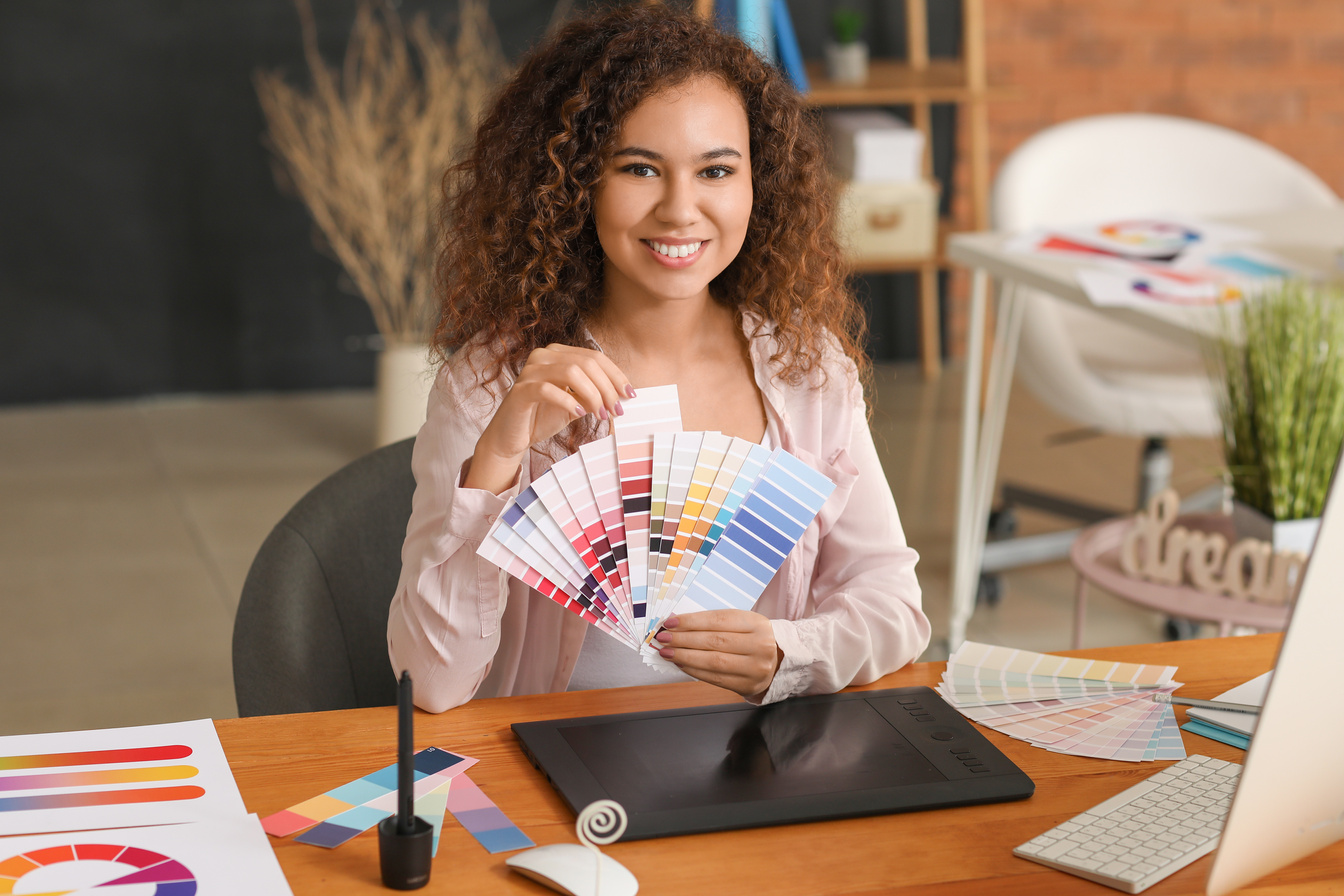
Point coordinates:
[(679, 204)]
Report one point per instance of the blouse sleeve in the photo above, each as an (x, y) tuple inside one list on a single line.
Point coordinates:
[(866, 619), (444, 622)]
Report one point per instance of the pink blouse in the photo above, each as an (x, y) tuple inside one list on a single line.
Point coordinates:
[(845, 605)]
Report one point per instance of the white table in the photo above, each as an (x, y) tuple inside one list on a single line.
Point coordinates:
[(1311, 237)]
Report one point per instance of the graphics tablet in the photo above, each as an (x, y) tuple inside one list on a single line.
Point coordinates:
[(715, 768)]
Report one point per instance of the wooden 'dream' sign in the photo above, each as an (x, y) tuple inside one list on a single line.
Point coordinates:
[(1158, 550)]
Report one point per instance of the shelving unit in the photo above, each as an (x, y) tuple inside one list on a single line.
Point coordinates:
[(920, 82)]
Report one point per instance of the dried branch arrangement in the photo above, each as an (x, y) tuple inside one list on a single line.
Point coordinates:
[(366, 147)]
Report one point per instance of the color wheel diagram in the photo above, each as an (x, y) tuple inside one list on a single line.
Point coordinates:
[(98, 869)]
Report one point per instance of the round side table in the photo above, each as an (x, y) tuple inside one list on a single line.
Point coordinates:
[(1096, 560)]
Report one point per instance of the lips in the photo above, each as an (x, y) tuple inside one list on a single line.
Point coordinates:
[(674, 250), (675, 255)]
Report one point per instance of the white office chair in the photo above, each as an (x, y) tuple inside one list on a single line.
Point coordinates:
[(1095, 370)]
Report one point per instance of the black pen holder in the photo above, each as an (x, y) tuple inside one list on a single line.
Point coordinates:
[(405, 858)]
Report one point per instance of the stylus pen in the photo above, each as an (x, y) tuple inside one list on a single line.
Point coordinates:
[(1206, 704), (405, 764)]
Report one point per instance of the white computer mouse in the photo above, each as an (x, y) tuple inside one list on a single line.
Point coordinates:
[(572, 869)]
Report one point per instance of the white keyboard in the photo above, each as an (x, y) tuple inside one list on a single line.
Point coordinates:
[(1145, 833)]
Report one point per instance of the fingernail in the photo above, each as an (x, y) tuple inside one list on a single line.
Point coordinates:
[(601, 413), (671, 622), (665, 637), (629, 391), (579, 410), (666, 653), (620, 411)]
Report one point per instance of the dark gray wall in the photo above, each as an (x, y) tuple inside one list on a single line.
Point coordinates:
[(144, 245)]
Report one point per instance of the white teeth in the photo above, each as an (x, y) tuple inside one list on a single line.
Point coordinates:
[(675, 251)]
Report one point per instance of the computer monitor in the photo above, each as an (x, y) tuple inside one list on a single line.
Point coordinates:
[(1290, 800)]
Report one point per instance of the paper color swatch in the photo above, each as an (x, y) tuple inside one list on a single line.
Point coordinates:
[(482, 818), (441, 786), (656, 411), (1083, 707), (345, 812)]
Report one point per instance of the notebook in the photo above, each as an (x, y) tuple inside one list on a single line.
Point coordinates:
[(1225, 726)]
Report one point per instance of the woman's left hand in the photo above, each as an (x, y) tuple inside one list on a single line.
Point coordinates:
[(734, 649)]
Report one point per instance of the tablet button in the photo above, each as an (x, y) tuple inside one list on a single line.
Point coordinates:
[(905, 701), (943, 734)]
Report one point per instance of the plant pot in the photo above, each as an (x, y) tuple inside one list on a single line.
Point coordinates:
[(847, 63), (402, 383), (1282, 535)]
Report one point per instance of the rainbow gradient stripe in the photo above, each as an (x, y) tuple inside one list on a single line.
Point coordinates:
[(99, 776), (169, 876), (99, 798), (95, 757)]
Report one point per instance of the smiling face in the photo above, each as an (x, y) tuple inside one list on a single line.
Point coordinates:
[(675, 197)]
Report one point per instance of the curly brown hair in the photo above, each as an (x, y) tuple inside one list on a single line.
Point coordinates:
[(520, 265)]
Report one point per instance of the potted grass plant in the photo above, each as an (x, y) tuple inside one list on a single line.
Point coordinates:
[(1279, 365), (846, 54), (365, 148)]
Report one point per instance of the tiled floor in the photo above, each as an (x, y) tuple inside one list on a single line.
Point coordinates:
[(128, 527)]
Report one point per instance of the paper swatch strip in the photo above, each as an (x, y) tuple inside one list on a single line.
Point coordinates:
[(652, 521)]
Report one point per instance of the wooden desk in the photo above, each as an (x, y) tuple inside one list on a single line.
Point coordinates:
[(282, 760)]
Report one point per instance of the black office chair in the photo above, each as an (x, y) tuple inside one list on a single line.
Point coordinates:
[(311, 628)]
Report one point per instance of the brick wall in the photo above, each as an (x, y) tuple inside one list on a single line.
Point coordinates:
[(1273, 69)]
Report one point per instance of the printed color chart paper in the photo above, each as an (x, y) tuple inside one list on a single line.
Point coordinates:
[(652, 521), (197, 859), (115, 777), (1082, 707)]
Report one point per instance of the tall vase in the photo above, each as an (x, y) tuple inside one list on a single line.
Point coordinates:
[(402, 382)]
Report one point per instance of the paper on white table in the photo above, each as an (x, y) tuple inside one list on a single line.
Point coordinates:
[(115, 777), (221, 856)]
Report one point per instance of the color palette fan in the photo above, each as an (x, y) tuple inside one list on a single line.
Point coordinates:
[(1093, 708), (652, 521)]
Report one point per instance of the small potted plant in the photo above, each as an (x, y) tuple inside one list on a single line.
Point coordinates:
[(846, 54), (1279, 366)]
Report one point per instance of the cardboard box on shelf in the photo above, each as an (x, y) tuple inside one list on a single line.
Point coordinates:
[(884, 221), (872, 146)]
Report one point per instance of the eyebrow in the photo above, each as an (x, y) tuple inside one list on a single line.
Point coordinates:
[(721, 152)]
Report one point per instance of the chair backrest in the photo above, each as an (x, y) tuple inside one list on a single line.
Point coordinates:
[(311, 629), (1134, 164), (1087, 367)]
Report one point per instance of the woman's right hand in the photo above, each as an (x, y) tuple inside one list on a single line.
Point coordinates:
[(558, 385)]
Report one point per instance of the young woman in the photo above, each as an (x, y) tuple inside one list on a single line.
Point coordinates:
[(646, 203)]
